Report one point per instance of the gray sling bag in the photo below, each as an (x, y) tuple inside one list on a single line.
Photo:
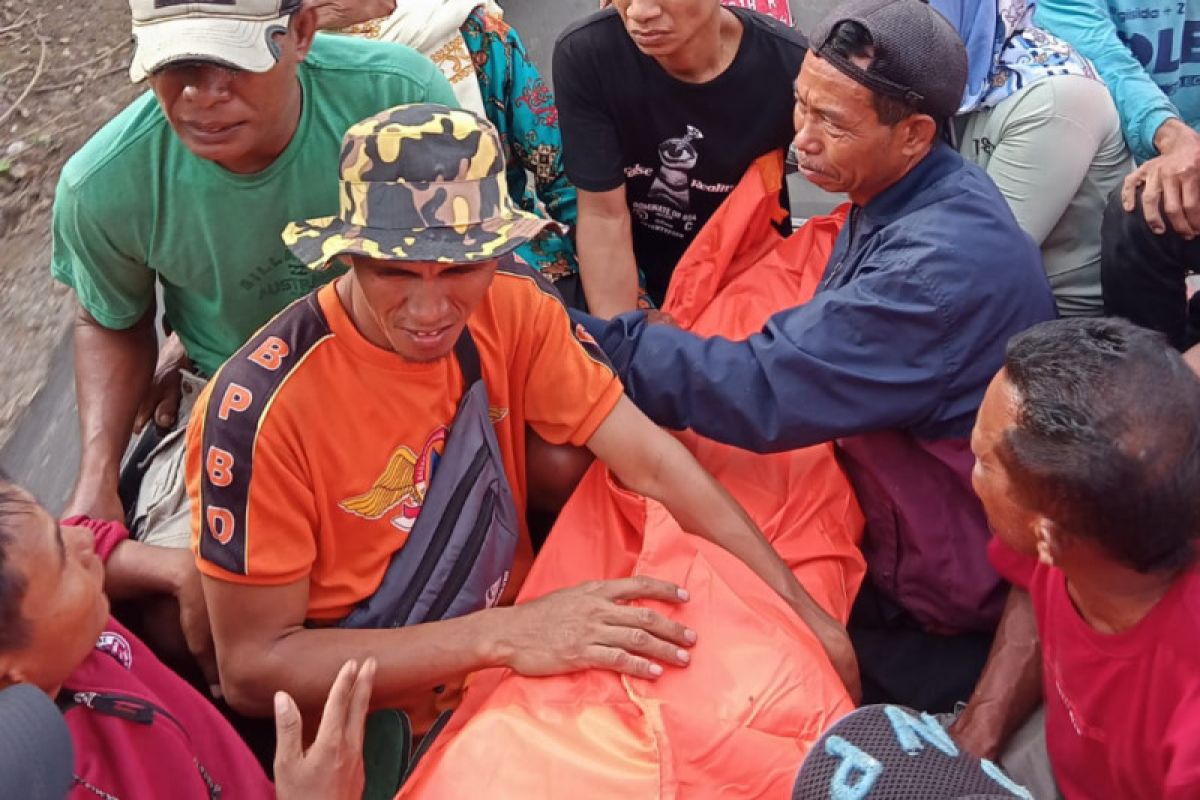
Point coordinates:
[(459, 556)]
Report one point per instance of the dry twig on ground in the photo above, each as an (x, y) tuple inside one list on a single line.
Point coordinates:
[(103, 54), (21, 22), (54, 87), (37, 73)]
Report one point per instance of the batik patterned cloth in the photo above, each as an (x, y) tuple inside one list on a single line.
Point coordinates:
[(1005, 51), (1028, 54), (521, 106), (486, 63)]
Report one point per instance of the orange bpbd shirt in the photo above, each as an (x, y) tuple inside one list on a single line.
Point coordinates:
[(310, 452)]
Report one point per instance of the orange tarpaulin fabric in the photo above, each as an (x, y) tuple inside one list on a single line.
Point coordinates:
[(737, 722)]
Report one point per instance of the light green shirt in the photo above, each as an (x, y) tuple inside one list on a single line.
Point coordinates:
[(134, 205), (1056, 152)]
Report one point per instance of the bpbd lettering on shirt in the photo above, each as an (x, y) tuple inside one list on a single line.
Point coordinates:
[(1160, 52), (241, 395)]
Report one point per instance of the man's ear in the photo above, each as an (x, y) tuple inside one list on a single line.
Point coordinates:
[(302, 29), (917, 133)]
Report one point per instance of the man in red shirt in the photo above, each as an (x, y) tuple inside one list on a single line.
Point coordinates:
[(135, 728), (1087, 452)]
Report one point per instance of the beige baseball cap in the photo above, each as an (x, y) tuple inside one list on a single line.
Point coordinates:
[(236, 33)]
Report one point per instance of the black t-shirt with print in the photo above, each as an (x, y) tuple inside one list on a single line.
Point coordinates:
[(679, 148)]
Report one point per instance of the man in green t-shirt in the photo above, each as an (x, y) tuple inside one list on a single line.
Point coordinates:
[(185, 192)]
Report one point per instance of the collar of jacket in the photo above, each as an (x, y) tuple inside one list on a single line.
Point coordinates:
[(896, 200)]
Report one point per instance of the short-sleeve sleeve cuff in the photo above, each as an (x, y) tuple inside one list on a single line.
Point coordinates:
[(592, 183), (99, 311), (211, 570), (1144, 129), (108, 534), (603, 406)]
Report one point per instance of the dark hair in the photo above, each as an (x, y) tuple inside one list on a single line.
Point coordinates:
[(1106, 441), (14, 628), (849, 39)]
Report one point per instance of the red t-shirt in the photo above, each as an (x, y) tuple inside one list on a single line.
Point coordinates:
[(779, 9), (182, 754), (1122, 710)]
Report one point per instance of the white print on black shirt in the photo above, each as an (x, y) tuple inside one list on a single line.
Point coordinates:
[(678, 158), (668, 207)]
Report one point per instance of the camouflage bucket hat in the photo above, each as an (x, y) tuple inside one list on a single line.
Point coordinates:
[(419, 182)]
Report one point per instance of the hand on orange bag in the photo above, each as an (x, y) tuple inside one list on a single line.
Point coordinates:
[(592, 625)]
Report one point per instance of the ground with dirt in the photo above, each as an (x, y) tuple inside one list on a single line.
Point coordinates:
[(62, 75)]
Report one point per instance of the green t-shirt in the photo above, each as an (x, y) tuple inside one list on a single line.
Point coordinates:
[(134, 204)]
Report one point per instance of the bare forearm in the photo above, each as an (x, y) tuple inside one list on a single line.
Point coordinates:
[(606, 264), (112, 373), (1011, 685), (135, 569), (304, 661), (653, 463), (702, 506)]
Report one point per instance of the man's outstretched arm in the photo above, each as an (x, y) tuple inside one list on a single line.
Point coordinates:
[(851, 360), (263, 645), (653, 463)]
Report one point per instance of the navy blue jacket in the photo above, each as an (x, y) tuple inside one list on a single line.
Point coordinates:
[(890, 359)]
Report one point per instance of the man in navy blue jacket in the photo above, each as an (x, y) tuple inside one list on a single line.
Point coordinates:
[(930, 277)]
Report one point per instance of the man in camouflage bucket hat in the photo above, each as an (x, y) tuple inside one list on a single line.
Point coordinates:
[(303, 515)]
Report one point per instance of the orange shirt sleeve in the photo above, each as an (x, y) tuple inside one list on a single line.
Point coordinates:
[(570, 388), (254, 511)]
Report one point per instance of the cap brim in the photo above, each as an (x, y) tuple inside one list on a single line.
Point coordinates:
[(317, 241), (237, 43)]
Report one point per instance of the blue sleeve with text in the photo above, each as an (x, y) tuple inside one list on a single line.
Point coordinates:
[(1147, 51)]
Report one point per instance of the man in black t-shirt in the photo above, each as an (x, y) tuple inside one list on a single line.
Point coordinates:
[(663, 106)]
